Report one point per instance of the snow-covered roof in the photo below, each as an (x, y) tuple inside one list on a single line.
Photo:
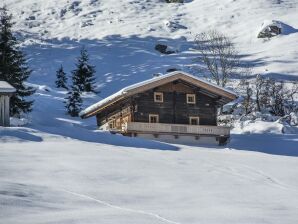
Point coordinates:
[(5, 87), (152, 83)]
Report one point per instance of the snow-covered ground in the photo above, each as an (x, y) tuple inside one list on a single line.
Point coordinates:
[(53, 179), (57, 169)]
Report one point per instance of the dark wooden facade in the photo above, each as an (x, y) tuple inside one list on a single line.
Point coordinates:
[(173, 110), (174, 106)]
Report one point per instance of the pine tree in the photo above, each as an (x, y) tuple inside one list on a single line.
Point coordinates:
[(13, 66), (83, 75), (74, 102), (61, 81)]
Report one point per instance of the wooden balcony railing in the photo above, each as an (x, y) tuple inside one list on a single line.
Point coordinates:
[(175, 129)]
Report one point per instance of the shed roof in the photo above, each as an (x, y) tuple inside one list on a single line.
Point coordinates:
[(128, 91), (5, 87)]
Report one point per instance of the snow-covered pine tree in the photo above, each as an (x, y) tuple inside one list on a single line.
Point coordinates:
[(61, 81), (13, 66), (83, 75), (74, 101)]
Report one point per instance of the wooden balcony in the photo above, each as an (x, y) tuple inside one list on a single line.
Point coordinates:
[(175, 129)]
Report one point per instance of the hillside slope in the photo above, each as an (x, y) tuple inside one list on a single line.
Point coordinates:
[(96, 20), (120, 36), (72, 182), (59, 169)]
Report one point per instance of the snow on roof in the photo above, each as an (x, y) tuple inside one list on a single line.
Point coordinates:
[(123, 92), (5, 87)]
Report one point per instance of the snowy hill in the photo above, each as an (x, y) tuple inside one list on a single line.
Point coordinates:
[(73, 182), (59, 169), (121, 35), (129, 27)]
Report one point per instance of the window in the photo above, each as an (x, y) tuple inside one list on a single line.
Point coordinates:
[(191, 98), (153, 118), (158, 97), (194, 120), (112, 124)]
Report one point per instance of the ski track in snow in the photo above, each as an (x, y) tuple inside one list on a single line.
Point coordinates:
[(250, 174), (121, 208)]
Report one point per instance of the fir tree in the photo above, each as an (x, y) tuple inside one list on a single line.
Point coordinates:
[(74, 102), (13, 66), (83, 75), (61, 81)]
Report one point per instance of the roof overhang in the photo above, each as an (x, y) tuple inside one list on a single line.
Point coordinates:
[(224, 95), (6, 88)]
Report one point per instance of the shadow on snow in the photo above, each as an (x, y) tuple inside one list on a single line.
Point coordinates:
[(283, 144), (18, 134), (119, 61)]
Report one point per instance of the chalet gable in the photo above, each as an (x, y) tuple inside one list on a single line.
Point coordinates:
[(222, 95)]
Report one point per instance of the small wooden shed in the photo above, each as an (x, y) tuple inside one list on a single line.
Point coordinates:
[(6, 91)]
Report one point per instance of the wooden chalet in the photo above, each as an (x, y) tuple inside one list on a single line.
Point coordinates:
[(175, 107)]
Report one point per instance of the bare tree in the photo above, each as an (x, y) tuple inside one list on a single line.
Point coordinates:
[(260, 89), (217, 52), (277, 94), (291, 93), (247, 103)]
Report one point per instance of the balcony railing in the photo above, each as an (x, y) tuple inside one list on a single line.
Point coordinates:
[(175, 129)]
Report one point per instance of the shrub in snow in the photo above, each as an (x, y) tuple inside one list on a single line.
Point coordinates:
[(264, 100), (248, 93), (268, 95), (227, 120), (294, 119)]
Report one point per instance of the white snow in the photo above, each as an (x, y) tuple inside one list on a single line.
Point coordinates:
[(121, 36), (54, 179), (257, 127), (58, 169), (5, 87)]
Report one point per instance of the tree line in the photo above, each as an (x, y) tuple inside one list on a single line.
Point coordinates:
[(13, 67), (15, 70), (83, 80), (220, 61)]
